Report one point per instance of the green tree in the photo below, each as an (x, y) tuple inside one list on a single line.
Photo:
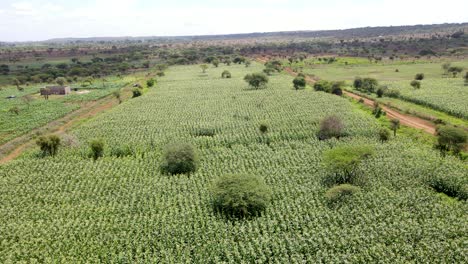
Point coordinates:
[(49, 145), (248, 63), (342, 163), (17, 83), (204, 67), (299, 83), (240, 195), (384, 134), (451, 138), (215, 62), (466, 78), (256, 80), (179, 158), (322, 85)]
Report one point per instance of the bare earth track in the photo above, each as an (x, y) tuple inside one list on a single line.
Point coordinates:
[(406, 120), (15, 147)]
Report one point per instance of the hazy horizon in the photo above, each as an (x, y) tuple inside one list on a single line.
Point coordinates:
[(37, 20)]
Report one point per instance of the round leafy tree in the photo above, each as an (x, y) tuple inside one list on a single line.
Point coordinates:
[(179, 158), (256, 80), (240, 195)]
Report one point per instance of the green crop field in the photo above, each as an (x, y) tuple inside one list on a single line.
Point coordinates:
[(39, 111), (71, 209)]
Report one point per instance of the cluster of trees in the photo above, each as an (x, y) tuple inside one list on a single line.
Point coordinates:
[(451, 70), (329, 87)]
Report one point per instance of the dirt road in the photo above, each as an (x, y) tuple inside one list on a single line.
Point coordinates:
[(406, 120)]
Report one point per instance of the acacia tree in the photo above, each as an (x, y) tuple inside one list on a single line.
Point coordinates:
[(451, 139), (204, 67), (256, 80)]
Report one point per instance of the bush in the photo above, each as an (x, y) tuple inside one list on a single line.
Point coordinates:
[(322, 86), (179, 158), (451, 186), (136, 92), (342, 163), (240, 195), (340, 193), (256, 80), (380, 92), (121, 151), (330, 127), (394, 93), (384, 134), (49, 145), (97, 148), (263, 128), (419, 76), (226, 74), (150, 82), (416, 84), (299, 83)]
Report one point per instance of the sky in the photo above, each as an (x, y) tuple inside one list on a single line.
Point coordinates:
[(31, 20)]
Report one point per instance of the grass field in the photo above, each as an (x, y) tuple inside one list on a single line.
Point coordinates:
[(69, 208)]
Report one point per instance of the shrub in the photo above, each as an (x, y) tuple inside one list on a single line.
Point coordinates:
[(121, 151), (240, 195), (150, 82), (299, 83), (136, 92), (179, 158), (263, 128), (226, 74), (256, 80), (394, 93), (49, 145), (380, 92), (322, 85), (451, 186), (419, 76), (342, 163), (340, 193), (97, 148), (330, 127), (357, 83), (384, 134), (416, 84)]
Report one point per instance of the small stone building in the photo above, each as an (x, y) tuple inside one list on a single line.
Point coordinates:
[(56, 90)]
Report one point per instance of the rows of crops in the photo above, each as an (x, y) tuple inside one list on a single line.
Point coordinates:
[(71, 209), (38, 112), (448, 95)]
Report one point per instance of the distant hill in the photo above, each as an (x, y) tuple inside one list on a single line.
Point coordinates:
[(365, 32)]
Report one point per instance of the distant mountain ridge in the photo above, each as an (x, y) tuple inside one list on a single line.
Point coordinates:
[(337, 33)]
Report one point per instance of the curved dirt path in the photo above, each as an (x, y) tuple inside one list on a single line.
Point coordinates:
[(406, 120)]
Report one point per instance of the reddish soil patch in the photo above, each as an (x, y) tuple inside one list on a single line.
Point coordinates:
[(406, 120)]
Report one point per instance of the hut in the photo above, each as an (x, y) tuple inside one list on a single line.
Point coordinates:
[(56, 90)]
